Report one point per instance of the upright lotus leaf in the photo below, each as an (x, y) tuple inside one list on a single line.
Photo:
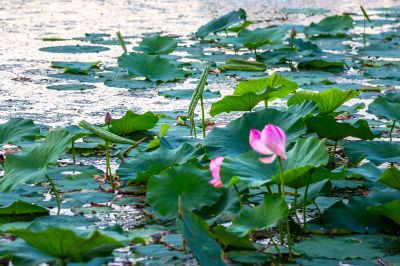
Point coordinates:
[(20, 207), (303, 45), (157, 44), (391, 177), (387, 106), (75, 67), (30, 165), (221, 23), (186, 182), (282, 86), (340, 248), (332, 25), (328, 127), (265, 215), (199, 239), (304, 109), (237, 103), (377, 152), (146, 164), (306, 154), (132, 122), (18, 129), (228, 239), (67, 245), (259, 37), (21, 211), (233, 139), (152, 67), (327, 101), (390, 210), (76, 132)]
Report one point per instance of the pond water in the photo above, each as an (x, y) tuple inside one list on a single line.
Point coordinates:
[(24, 70)]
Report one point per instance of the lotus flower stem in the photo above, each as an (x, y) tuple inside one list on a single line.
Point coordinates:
[(364, 36), (203, 121), (275, 245), (295, 206), (391, 130), (287, 218), (305, 205), (55, 191), (73, 152), (238, 195), (122, 42), (108, 167)]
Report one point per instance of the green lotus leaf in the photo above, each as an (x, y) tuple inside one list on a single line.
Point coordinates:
[(242, 65), (233, 139), (74, 49), (353, 216), (387, 106), (391, 177), (339, 247), (260, 37), (327, 101), (328, 127), (18, 129), (332, 25), (152, 67), (157, 44), (186, 182), (221, 23), (198, 237), (66, 245), (187, 94), (20, 207), (265, 215), (146, 164), (30, 165), (75, 67), (377, 152), (132, 122), (390, 210), (306, 154), (71, 87), (321, 64)]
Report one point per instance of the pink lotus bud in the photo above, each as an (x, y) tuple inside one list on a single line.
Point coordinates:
[(293, 33), (215, 167), (270, 141), (108, 118)]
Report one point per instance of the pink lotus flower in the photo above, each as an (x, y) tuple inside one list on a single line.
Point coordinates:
[(270, 141), (215, 167)]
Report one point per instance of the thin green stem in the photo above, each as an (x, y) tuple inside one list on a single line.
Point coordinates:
[(364, 37), (238, 195), (287, 218), (391, 130), (334, 153), (295, 206), (108, 167), (73, 152), (318, 209), (55, 191), (269, 188), (305, 205), (276, 246), (203, 121)]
